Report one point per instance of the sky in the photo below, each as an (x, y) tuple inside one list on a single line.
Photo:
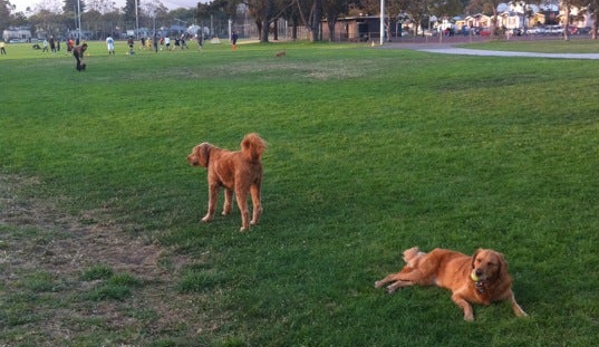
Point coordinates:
[(171, 4)]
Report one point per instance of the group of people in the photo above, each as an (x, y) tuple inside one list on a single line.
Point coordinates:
[(164, 43), (79, 51), (110, 45)]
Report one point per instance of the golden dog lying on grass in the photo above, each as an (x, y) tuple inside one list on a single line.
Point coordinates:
[(238, 172), (482, 278)]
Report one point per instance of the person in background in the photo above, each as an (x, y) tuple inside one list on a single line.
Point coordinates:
[(200, 39), (2, 48), (110, 45), (52, 44), (70, 46), (131, 43), (78, 53), (234, 38), (183, 44)]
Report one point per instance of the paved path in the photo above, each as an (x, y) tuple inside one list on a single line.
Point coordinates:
[(443, 48)]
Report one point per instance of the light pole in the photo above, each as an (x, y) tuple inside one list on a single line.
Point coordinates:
[(382, 24), (136, 22), (78, 21)]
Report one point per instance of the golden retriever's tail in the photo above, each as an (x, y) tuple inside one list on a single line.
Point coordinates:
[(252, 147)]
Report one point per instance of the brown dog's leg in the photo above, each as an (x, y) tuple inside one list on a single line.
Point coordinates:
[(256, 204), (518, 311), (242, 202), (228, 200), (212, 200), (408, 276), (398, 282), (388, 279), (468, 314), (397, 285)]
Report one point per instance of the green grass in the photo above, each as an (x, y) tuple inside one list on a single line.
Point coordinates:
[(370, 152)]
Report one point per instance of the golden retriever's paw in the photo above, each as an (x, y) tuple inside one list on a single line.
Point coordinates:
[(469, 317), (206, 219), (520, 313), (242, 229)]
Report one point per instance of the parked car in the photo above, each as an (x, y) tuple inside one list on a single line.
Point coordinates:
[(554, 29), (483, 31), (573, 30), (515, 32), (535, 31), (430, 33)]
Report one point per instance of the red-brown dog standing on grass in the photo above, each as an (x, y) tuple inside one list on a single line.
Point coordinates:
[(238, 172), (482, 278)]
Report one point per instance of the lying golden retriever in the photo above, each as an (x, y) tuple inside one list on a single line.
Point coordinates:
[(238, 172), (482, 278)]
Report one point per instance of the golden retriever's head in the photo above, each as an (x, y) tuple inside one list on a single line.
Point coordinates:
[(488, 265), (200, 155)]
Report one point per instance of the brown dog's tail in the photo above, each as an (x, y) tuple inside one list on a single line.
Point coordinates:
[(252, 147)]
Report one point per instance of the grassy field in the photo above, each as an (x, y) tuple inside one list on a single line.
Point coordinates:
[(370, 152)]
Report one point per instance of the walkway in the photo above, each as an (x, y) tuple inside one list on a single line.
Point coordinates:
[(447, 48)]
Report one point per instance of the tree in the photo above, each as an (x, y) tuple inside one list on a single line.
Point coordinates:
[(493, 4), (219, 11), (593, 10), (567, 6), (332, 9), (101, 6), (310, 13), (5, 17), (129, 12), (265, 12), (71, 6)]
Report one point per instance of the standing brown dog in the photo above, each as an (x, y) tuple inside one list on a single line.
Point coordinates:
[(482, 278), (238, 172)]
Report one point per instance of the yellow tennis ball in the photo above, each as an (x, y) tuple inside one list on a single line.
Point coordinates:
[(474, 277)]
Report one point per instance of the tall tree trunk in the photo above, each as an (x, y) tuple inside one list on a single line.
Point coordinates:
[(566, 32), (264, 30), (294, 31), (315, 21), (595, 25)]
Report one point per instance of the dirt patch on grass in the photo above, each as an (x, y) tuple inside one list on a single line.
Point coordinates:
[(43, 253)]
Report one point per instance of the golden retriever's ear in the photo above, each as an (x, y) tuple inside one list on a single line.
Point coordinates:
[(474, 256), (203, 153), (503, 266)]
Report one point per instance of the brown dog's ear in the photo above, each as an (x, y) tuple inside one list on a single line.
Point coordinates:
[(203, 153), (474, 256), (503, 266)]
